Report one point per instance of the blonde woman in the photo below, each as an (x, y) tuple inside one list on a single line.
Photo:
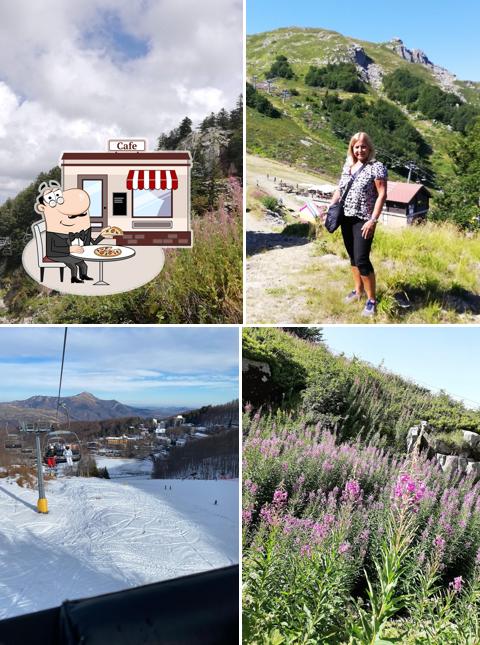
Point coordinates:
[(362, 208)]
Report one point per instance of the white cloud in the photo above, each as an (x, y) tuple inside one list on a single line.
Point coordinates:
[(66, 84), (125, 363)]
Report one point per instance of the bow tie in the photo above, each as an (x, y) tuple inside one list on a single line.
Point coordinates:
[(79, 235)]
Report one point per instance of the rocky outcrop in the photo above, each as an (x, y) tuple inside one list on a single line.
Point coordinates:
[(210, 143), (411, 55), (369, 71), (445, 79), (422, 438)]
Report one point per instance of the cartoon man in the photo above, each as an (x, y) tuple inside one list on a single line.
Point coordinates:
[(68, 227)]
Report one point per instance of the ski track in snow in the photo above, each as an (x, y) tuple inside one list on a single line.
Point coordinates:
[(106, 535)]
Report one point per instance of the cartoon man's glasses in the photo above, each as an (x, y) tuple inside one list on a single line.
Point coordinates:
[(52, 199)]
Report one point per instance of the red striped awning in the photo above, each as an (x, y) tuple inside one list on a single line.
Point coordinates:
[(152, 180)]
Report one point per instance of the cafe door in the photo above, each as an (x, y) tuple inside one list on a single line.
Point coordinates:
[(97, 188)]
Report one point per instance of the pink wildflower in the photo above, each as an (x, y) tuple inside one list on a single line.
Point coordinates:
[(456, 585), (408, 491), (352, 491), (344, 547), (247, 516), (306, 551), (439, 542), (280, 497)]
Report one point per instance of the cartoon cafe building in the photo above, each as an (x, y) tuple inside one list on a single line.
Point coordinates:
[(146, 194)]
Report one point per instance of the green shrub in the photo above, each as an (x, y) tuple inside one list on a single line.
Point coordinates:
[(343, 76), (280, 67), (271, 203)]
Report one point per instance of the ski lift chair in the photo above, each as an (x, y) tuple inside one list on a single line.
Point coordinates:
[(60, 439), (38, 229)]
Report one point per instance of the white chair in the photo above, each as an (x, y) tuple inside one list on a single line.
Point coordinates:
[(38, 229)]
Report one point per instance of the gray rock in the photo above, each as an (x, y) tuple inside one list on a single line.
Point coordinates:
[(473, 468), (452, 463), (471, 438)]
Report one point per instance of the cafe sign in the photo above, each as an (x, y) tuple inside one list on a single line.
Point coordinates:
[(127, 145)]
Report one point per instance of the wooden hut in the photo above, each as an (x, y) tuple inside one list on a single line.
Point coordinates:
[(406, 204)]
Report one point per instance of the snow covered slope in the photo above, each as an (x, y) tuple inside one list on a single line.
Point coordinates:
[(101, 536)]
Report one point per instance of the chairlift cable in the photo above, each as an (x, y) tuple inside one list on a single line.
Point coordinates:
[(61, 372)]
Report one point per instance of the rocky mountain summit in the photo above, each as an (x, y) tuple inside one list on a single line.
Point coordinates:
[(445, 79)]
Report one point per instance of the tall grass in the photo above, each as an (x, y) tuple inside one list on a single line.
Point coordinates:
[(198, 285), (433, 270)]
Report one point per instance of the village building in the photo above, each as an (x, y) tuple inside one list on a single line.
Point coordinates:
[(406, 204)]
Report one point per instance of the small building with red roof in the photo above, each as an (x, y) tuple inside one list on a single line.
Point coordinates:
[(406, 204)]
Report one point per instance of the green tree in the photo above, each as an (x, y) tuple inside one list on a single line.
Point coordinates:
[(459, 201), (280, 67)]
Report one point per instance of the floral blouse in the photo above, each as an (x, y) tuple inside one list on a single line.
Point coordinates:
[(363, 194)]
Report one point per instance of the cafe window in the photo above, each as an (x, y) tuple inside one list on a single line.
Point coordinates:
[(152, 203)]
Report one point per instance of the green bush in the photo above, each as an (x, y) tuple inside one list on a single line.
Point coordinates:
[(280, 67), (256, 100), (271, 203), (342, 76)]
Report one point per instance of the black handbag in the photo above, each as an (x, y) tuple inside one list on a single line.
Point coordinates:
[(335, 211)]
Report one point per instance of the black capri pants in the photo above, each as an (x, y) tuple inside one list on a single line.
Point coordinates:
[(358, 248)]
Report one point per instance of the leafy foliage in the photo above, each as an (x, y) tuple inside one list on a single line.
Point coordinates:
[(459, 201), (396, 139), (342, 76), (261, 103), (345, 543), (403, 86), (280, 67)]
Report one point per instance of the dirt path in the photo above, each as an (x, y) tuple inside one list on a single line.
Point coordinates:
[(279, 277)]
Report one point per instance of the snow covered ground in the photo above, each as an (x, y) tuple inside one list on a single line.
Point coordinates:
[(106, 535)]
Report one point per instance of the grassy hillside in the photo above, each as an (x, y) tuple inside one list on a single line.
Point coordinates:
[(352, 397), (303, 118)]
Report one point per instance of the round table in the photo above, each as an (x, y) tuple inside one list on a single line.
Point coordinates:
[(89, 255)]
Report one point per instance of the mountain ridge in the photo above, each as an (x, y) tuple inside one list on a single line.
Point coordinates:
[(305, 137), (84, 406)]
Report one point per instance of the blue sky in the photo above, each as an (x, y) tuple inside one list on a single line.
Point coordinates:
[(446, 31), (182, 366), (441, 357)]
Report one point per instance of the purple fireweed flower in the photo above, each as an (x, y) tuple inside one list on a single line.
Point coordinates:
[(439, 542), (280, 497), (408, 491), (306, 551), (250, 486), (456, 584), (344, 547), (246, 516), (352, 491)]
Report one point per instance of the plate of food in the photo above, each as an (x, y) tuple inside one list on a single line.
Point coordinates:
[(112, 230), (108, 251)]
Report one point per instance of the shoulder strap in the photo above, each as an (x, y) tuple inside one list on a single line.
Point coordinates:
[(349, 185)]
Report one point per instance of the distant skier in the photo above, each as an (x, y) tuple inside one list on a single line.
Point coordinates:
[(68, 454), (215, 503)]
